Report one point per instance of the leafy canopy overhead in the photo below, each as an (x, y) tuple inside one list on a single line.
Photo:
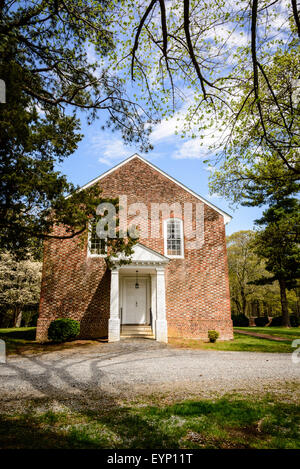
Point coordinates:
[(61, 46), (50, 80), (230, 71)]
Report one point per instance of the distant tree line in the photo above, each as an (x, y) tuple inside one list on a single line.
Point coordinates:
[(253, 290)]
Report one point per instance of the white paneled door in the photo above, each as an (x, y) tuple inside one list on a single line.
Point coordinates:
[(135, 302)]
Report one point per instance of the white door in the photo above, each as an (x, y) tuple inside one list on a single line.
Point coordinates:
[(135, 302)]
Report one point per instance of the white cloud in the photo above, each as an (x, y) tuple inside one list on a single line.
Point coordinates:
[(200, 147), (191, 149), (164, 130), (188, 148), (167, 127), (112, 149), (184, 148), (229, 35)]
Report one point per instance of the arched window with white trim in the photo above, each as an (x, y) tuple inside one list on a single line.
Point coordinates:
[(173, 238)]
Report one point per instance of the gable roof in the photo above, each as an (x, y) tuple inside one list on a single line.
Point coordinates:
[(144, 255), (226, 216)]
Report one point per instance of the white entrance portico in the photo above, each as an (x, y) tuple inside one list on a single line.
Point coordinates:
[(137, 294)]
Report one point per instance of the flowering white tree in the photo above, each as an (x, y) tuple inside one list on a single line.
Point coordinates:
[(19, 284)]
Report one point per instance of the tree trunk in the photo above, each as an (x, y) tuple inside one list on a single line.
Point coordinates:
[(284, 307), (297, 312), (18, 317), (237, 304), (257, 308), (244, 301)]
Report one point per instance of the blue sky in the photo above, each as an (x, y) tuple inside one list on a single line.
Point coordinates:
[(181, 158)]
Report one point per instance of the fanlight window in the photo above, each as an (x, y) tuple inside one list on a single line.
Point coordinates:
[(174, 238), (97, 246)]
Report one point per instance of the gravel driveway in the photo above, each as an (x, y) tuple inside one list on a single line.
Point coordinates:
[(129, 367)]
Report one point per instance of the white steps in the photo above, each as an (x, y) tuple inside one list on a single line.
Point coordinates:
[(136, 331)]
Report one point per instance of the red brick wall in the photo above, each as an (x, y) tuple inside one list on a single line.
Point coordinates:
[(197, 288)]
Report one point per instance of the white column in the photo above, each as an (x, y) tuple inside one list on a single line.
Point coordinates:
[(161, 321), (114, 319), (153, 302)]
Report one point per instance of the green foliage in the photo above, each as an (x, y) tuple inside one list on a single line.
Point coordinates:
[(261, 321), (46, 49), (278, 241), (253, 289), (261, 158), (240, 320), (236, 92), (278, 244), (213, 336), (61, 330), (30, 317), (245, 267), (19, 285)]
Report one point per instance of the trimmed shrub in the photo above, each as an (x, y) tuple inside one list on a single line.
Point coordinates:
[(240, 320), (61, 330), (277, 321), (294, 320), (261, 322), (213, 335)]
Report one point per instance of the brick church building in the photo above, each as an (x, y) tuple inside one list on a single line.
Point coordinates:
[(176, 284)]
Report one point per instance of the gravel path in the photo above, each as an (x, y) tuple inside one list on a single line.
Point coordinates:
[(129, 367)]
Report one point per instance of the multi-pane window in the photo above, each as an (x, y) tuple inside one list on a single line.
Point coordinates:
[(174, 237), (97, 246)]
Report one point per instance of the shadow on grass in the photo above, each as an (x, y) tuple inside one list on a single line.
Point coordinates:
[(87, 416), (23, 333), (90, 418)]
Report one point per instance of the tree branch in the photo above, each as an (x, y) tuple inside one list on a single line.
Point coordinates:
[(186, 19), (140, 27), (296, 16)]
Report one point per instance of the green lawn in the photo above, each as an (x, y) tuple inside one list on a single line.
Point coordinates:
[(19, 333), (21, 340), (228, 422), (18, 338), (241, 343), (288, 333)]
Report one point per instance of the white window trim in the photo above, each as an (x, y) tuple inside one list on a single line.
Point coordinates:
[(89, 244), (170, 256)]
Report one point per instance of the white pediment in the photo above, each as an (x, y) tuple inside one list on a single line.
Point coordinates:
[(145, 255)]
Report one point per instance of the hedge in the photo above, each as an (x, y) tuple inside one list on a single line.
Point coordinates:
[(240, 320), (61, 330), (262, 321)]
